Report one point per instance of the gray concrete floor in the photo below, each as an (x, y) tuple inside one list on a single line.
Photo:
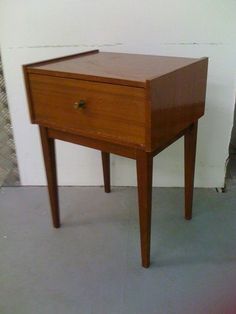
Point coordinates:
[(92, 264)]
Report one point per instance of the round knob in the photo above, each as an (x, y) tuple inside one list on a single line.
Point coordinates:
[(80, 105)]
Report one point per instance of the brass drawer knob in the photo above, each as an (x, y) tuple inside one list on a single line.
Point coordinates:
[(80, 105)]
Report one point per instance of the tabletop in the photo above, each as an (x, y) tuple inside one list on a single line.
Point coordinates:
[(95, 65)]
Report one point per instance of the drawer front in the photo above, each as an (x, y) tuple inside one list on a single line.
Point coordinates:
[(112, 112)]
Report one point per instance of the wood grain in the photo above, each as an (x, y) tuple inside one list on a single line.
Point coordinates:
[(26, 69), (190, 142), (111, 111), (144, 176), (48, 146), (106, 171), (176, 100), (111, 67), (101, 145)]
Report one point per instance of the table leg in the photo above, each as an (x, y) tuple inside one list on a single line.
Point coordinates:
[(106, 171), (190, 140), (144, 176), (48, 145)]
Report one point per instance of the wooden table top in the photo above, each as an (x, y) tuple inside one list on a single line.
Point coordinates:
[(135, 68)]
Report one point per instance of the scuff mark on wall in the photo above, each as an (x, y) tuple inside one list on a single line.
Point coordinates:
[(196, 43), (67, 46), (114, 45)]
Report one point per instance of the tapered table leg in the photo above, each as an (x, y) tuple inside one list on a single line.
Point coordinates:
[(190, 141), (48, 145), (144, 175), (106, 171)]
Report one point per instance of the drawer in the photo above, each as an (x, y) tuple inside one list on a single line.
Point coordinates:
[(111, 111)]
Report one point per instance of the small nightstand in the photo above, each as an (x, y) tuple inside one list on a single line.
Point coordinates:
[(126, 104)]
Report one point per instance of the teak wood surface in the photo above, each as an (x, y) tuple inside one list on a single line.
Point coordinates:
[(127, 104)]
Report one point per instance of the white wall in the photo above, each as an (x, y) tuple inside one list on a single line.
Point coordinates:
[(32, 30)]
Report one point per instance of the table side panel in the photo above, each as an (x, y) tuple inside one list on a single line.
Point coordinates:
[(108, 147), (177, 100), (28, 93)]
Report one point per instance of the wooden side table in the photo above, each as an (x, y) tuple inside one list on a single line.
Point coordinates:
[(126, 104)]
